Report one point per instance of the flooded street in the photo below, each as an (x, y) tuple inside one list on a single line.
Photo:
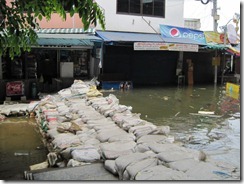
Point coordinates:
[(21, 146), (218, 136)]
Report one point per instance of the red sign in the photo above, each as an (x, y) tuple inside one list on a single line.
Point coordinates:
[(15, 88)]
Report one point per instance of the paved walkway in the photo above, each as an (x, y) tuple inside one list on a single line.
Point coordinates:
[(95, 171)]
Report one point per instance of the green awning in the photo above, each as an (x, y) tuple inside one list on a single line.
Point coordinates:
[(66, 38), (215, 46)]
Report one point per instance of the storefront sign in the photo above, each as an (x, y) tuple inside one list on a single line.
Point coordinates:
[(179, 33), (214, 37), (14, 88), (165, 46)]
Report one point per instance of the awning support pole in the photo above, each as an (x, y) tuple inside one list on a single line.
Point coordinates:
[(215, 69)]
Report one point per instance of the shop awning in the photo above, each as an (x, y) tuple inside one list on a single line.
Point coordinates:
[(66, 37), (66, 40), (65, 31), (112, 36)]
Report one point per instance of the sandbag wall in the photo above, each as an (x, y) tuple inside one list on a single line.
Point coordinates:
[(80, 126)]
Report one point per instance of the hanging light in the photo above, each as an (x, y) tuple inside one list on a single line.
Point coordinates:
[(204, 1)]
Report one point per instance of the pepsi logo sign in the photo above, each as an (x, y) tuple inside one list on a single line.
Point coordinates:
[(174, 32)]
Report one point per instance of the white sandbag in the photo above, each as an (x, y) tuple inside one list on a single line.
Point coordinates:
[(118, 117), (52, 133), (65, 93), (75, 163), (123, 137), (115, 149), (151, 139), (127, 123), (61, 119), (101, 121), (52, 124), (158, 148), (65, 140), (86, 155), (102, 127), (161, 172), (104, 135), (173, 156), (110, 166), (144, 130), (136, 167), (164, 130), (142, 126), (92, 141), (142, 147), (123, 161)]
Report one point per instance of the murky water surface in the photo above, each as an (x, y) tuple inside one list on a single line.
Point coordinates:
[(21, 146), (219, 136)]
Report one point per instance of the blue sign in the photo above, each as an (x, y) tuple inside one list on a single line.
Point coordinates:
[(181, 34)]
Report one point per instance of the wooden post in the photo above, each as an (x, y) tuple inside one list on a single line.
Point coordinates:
[(190, 72)]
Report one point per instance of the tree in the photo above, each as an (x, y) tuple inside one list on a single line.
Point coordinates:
[(18, 20)]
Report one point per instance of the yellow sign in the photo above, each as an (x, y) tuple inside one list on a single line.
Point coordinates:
[(214, 37), (232, 90), (216, 61)]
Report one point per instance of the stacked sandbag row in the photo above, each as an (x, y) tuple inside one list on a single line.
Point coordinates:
[(17, 109), (147, 152), (86, 128)]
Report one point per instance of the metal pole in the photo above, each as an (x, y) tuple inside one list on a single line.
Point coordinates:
[(222, 77), (215, 18), (215, 25)]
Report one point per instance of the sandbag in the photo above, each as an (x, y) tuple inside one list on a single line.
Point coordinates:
[(123, 161), (104, 135), (110, 166), (115, 149), (134, 168), (160, 172), (65, 140), (86, 155)]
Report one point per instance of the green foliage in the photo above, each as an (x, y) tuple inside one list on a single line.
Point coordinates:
[(19, 20)]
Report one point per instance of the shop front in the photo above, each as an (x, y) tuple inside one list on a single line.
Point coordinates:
[(61, 56)]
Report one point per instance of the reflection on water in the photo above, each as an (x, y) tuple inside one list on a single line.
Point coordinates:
[(172, 106), (178, 108), (21, 146)]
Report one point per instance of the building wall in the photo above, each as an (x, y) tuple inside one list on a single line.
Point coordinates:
[(133, 23), (57, 22)]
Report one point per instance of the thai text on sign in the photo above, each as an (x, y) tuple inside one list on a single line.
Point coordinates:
[(165, 46)]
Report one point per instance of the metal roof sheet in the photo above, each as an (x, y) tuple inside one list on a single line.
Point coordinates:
[(67, 39), (113, 36)]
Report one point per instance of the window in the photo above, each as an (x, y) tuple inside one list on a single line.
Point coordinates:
[(142, 7)]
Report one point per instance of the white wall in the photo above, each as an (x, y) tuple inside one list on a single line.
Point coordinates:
[(130, 23)]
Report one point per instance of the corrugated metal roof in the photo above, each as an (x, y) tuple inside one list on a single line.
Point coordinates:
[(112, 36), (65, 31)]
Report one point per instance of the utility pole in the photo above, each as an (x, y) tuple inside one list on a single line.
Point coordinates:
[(215, 15), (215, 26)]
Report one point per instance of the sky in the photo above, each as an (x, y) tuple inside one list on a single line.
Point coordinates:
[(226, 11)]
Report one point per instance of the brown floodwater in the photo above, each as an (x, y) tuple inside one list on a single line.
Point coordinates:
[(21, 146)]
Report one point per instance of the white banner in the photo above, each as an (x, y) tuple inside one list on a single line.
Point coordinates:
[(165, 46)]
